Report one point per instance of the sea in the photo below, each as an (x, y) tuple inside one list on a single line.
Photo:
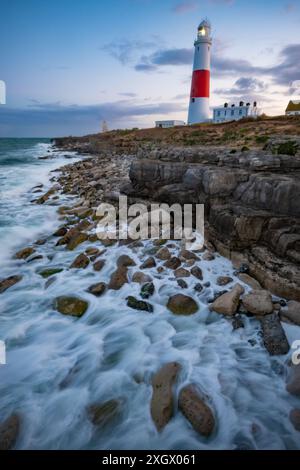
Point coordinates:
[(57, 366)]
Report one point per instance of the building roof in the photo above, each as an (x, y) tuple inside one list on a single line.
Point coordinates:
[(293, 106)]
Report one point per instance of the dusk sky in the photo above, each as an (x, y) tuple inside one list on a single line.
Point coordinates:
[(68, 64)]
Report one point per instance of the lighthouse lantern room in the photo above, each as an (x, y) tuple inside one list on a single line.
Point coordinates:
[(200, 89)]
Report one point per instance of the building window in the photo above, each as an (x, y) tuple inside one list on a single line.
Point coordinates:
[(232, 112), (240, 112), (225, 114), (218, 113)]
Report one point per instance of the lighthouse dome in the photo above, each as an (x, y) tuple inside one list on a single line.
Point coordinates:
[(204, 29)]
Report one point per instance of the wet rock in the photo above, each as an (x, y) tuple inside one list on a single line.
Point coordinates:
[(125, 260), (173, 263), (293, 383), (189, 255), (147, 290), (41, 241), (160, 269), (224, 280), (34, 258), (25, 253), (182, 283), (162, 403), (208, 256), (46, 196), (136, 304), (9, 282), (81, 261), (73, 306), (180, 304), (76, 240), (258, 302), (92, 251), (244, 268), (97, 289), (196, 411), (198, 287), (159, 242), (101, 414), (163, 254), (148, 263), (197, 272), (250, 281), (227, 304), (50, 272), (295, 418), (237, 322), (98, 265), (291, 313), (9, 431), (189, 263), (118, 278), (141, 277), (60, 232), (181, 272), (274, 337), (206, 284)]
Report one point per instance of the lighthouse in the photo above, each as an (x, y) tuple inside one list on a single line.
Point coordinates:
[(199, 98)]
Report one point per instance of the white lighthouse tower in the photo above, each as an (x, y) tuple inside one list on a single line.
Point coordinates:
[(200, 89)]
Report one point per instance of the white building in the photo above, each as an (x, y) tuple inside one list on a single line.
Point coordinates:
[(293, 108), (234, 113), (172, 123)]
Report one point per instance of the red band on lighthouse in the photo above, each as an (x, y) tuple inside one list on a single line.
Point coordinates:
[(200, 84)]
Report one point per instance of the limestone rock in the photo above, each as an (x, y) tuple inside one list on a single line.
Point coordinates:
[(224, 280), (197, 272), (258, 302), (148, 263), (163, 254), (292, 312), (181, 272), (9, 431), (162, 402), (76, 240), (73, 306), (125, 260), (101, 414), (81, 261), (141, 277), (172, 263), (227, 304), (98, 265), (196, 411), (97, 289), (250, 281), (118, 278), (9, 282), (274, 336), (136, 304), (186, 254), (25, 252), (180, 304)]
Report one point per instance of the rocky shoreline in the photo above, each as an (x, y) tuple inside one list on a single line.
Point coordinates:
[(240, 226)]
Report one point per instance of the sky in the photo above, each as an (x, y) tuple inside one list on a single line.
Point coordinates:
[(69, 64)]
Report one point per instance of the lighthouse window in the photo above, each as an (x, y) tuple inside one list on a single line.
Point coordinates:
[(193, 100)]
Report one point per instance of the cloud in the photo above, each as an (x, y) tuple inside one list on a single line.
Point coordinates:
[(129, 94), (243, 85), (185, 7), (125, 49), (286, 72), (50, 119)]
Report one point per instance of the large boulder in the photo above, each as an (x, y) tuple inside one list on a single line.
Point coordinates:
[(196, 411), (274, 337), (180, 304), (81, 261), (76, 240), (141, 277), (25, 252), (9, 431), (136, 304), (148, 263), (295, 418), (291, 313), (125, 260), (73, 306), (258, 302), (227, 304), (97, 289), (163, 254), (162, 402)]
